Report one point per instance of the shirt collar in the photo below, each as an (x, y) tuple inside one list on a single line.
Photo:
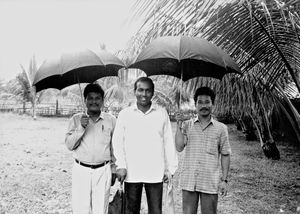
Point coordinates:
[(152, 107), (211, 121), (101, 116)]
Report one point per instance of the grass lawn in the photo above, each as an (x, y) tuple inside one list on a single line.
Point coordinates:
[(35, 172)]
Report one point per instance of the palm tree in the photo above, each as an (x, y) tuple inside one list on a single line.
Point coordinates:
[(174, 89), (25, 79), (20, 88), (263, 38)]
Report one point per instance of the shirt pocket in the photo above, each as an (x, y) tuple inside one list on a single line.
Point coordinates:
[(107, 132), (212, 146)]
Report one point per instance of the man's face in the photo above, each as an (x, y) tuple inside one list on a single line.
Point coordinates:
[(204, 105), (94, 102), (143, 93)]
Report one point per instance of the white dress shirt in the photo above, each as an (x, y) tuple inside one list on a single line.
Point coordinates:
[(143, 144)]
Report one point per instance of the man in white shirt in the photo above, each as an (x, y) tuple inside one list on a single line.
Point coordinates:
[(89, 137), (144, 149)]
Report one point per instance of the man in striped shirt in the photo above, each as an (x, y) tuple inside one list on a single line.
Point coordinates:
[(206, 148)]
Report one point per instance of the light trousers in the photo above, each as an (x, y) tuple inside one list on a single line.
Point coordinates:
[(90, 189)]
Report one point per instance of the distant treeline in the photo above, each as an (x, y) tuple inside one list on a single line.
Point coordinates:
[(45, 109)]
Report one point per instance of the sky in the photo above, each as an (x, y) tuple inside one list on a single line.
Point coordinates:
[(45, 28)]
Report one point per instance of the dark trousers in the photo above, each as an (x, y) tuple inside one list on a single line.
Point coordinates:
[(133, 196), (208, 202)]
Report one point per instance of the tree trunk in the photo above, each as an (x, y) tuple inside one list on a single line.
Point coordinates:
[(258, 132), (249, 130), (24, 106), (240, 119), (292, 122), (33, 93), (56, 108), (293, 109), (269, 148), (238, 124), (34, 109)]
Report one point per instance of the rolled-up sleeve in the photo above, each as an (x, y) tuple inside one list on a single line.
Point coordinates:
[(118, 142), (169, 146), (225, 148), (74, 134)]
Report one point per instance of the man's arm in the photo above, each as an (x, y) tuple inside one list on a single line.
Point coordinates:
[(225, 165), (74, 134), (112, 155), (113, 165), (113, 159), (225, 151), (118, 147), (170, 152), (180, 138)]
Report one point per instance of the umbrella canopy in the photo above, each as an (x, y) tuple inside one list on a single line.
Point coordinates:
[(184, 57), (76, 67)]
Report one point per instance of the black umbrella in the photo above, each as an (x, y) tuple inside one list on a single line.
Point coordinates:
[(76, 67), (185, 58)]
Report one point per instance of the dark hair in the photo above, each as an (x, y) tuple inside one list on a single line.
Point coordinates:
[(205, 91), (144, 79), (93, 87)]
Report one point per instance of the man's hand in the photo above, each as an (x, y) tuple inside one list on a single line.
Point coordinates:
[(113, 178), (223, 188), (121, 174), (84, 121), (179, 117), (167, 177)]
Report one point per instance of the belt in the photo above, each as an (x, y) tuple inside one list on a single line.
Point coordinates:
[(92, 166)]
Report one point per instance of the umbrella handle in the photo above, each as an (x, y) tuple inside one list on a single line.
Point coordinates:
[(82, 99), (181, 86)]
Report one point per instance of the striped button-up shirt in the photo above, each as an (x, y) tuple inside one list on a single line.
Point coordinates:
[(95, 146), (201, 165)]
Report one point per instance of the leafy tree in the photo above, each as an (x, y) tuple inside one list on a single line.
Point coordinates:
[(20, 88), (25, 79), (262, 37)]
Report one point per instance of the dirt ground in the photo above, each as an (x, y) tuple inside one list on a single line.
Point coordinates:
[(35, 172)]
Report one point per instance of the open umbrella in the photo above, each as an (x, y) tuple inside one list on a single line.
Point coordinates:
[(71, 68), (76, 67), (184, 57)]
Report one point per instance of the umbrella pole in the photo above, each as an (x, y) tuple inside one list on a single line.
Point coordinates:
[(81, 96), (82, 100), (181, 87)]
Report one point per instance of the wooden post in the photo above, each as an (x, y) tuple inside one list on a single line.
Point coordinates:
[(56, 108)]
